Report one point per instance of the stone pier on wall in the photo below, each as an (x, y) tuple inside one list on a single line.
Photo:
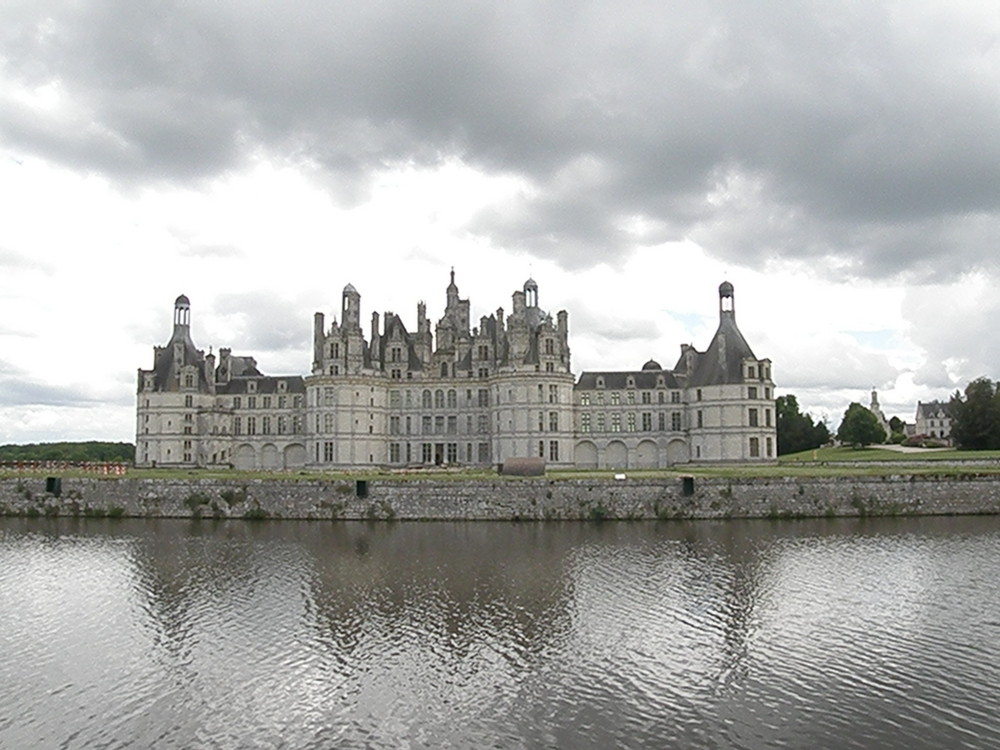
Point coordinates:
[(502, 499)]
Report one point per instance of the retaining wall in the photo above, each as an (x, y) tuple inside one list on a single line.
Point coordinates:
[(503, 499)]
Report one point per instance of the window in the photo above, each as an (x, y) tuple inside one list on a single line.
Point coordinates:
[(394, 453), (600, 399), (553, 421), (426, 399), (328, 451), (395, 399), (752, 392), (395, 355), (483, 351), (675, 421), (584, 399), (584, 423), (754, 447), (647, 397), (439, 399), (616, 422), (282, 425), (701, 419), (439, 425), (452, 400), (265, 425), (770, 448), (699, 394), (251, 402), (630, 421), (630, 397), (484, 397), (452, 425), (484, 453), (251, 425), (553, 450), (549, 348), (266, 400), (189, 381), (600, 423), (541, 449), (541, 421), (425, 425), (452, 452), (675, 397), (236, 402), (282, 401), (409, 425), (482, 423), (427, 453), (553, 394), (616, 398), (661, 421), (328, 426), (328, 397), (752, 417), (189, 401), (767, 417), (396, 374), (393, 425), (647, 421), (237, 426), (751, 372)]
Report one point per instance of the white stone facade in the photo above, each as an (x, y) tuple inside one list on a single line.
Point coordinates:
[(458, 397)]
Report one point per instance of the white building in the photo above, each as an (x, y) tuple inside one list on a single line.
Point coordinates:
[(460, 396)]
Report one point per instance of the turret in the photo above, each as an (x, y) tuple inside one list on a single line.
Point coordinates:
[(319, 324), (351, 309), (727, 303)]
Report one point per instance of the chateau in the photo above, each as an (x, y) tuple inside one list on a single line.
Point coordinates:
[(457, 396)]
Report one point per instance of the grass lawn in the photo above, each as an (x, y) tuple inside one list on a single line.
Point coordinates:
[(878, 453)]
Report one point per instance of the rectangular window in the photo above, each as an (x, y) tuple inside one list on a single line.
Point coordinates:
[(282, 425), (616, 398), (394, 453), (189, 401), (584, 423), (541, 449), (328, 397), (616, 422), (328, 451), (675, 397), (647, 421), (393, 425), (553, 421), (553, 394), (425, 425), (630, 421), (770, 448), (630, 397), (395, 399), (584, 399), (482, 423), (767, 417), (699, 394), (282, 402), (237, 402), (265, 425), (553, 450), (754, 447), (427, 453), (484, 453), (297, 425), (251, 425), (647, 397), (266, 401), (600, 399), (452, 425), (661, 421), (752, 392), (452, 453), (328, 425), (484, 397), (600, 423), (251, 402), (701, 419), (752, 416), (751, 372), (675, 421), (541, 421), (439, 425)]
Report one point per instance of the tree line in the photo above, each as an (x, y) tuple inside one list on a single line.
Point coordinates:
[(975, 416), (93, 450)]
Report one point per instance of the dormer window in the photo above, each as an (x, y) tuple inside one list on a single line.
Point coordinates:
[(251, 386), (751, 372), (630, 382), (600, 382), (282, 386)]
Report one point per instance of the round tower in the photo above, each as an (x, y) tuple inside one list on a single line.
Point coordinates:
[(727, 305)]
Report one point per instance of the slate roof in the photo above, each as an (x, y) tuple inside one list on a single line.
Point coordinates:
[(619, 380), (722, 362), (266, 384)]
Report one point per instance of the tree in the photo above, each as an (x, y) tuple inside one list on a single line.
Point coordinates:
[(860, 427), (975, 419), (796, 431)]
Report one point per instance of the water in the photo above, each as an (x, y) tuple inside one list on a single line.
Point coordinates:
[(826, 633)]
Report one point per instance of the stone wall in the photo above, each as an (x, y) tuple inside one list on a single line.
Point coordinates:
[(503, 498)]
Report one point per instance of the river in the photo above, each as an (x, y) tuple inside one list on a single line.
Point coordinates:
[(849, 633)]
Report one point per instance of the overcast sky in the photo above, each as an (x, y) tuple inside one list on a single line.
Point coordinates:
[(839, 163)]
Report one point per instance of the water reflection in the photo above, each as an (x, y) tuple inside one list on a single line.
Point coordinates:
[(847, 633)]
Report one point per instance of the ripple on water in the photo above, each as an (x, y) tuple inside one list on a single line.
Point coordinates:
[(743, 635)]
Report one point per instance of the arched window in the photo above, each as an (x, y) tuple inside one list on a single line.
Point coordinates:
[(426, 399), (452, 400), (439, 399)]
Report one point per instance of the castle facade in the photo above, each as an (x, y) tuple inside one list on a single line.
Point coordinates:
[(457, 396)]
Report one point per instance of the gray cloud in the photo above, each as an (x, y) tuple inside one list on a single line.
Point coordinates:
[(257, 321), (16, 389), (858, 137)]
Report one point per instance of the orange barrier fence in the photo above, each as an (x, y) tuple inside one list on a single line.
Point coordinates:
[(91, 467)]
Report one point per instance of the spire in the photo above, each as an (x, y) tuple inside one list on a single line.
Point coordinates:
[(727, 304)]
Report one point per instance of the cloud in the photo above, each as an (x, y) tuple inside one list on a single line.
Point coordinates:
[(857, 137)]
